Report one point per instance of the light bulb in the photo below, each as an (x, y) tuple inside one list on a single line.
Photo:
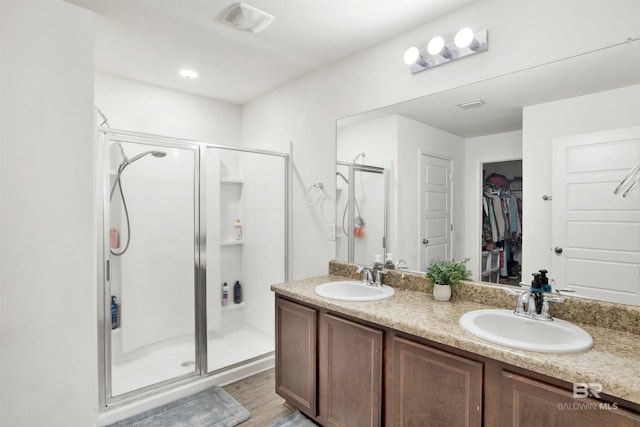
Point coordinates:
[(411, 55), (188, 74), (465, 38), (436, 45)]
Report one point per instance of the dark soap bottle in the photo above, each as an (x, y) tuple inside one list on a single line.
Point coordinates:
[(237, 293), (536, 291), (114, 312)]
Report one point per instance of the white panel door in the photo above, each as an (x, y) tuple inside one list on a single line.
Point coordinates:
[(596, 234), (435, 209)]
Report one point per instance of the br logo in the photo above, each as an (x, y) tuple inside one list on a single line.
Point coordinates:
[(583, 390)]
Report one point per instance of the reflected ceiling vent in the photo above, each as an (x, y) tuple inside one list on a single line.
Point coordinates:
[(472, 104), (247, 18)]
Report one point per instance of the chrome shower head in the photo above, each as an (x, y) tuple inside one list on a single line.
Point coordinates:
[(141, 155)]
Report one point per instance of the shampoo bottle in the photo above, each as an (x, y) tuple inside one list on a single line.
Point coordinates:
[(114, 312), (238, 230), (225, 294), (237, 293)]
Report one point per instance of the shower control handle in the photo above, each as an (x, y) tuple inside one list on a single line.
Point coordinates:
[(425, 242)]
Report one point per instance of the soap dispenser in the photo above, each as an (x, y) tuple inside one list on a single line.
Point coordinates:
[(536, 291), (544, 280)]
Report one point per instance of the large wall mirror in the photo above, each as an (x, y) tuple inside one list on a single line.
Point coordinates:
[(467, 165)]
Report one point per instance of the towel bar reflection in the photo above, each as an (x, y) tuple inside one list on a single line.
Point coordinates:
[(630, 181)]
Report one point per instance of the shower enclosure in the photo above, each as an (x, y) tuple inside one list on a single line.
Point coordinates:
[(361, 212), (170, 212)]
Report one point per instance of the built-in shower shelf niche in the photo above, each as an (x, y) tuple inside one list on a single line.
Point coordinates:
[(228, 180), (231, 242), (232, 306)]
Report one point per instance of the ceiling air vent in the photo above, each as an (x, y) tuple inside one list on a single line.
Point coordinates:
[(247, 18)]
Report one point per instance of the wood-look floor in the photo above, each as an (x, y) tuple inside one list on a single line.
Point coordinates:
[(257, 394)]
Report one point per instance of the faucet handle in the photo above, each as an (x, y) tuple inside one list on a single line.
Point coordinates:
[(514, 292), (554, 299), (401, 265)]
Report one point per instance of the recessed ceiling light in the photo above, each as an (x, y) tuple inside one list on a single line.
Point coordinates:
[(188, 74)]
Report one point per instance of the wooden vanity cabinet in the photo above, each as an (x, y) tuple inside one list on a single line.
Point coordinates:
[(525, 401), (348, 377), (296, 331), (350, 374), (342, 372), (428, 386)]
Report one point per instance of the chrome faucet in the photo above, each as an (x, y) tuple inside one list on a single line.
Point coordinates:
[(526, 304), (367, 276), (378, 272)]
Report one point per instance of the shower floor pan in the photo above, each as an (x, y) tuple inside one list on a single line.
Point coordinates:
[(174, 358)]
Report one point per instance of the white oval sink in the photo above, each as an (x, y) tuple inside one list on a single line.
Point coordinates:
[(353, 291), (505, 328)]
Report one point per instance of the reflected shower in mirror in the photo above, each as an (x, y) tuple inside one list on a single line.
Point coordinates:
[(360, 212)]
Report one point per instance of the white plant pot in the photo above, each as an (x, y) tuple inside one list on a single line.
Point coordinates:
[(442, 292)]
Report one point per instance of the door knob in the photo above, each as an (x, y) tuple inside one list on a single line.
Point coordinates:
[(425, 242), (558, 250)]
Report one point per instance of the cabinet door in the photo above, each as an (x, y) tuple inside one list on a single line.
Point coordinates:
[(528, 402), (350, 373), (429, 387), (296, 355)]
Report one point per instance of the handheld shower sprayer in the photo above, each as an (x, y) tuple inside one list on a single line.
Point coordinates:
[(126, 161)]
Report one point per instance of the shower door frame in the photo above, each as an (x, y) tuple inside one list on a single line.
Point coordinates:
[(106, 400), (353, 167)]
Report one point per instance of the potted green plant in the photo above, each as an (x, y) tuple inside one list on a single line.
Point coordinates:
[(444, 274)]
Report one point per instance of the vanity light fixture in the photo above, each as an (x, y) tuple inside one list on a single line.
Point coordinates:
[(438, 52), (472, 104)]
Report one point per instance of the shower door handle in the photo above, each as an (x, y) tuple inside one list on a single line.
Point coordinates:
[(425, 242)]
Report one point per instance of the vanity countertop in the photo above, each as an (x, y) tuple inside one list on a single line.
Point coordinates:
[(614, 360)]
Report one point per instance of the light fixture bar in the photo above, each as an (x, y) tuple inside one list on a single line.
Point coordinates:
[(451, 52), (472, 104)]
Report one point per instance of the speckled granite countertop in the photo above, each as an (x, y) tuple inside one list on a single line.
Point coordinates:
[(614, 360)]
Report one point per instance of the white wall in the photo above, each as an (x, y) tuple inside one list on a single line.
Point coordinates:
[(48, 343), (141, 107), (479, 150), (541, 123), (305, 111)]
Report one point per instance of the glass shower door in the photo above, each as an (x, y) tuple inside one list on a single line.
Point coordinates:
[(150, 271), (245, 222)]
